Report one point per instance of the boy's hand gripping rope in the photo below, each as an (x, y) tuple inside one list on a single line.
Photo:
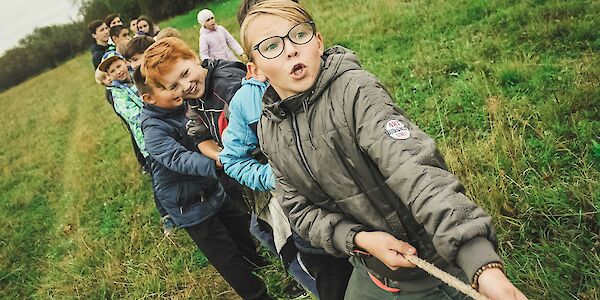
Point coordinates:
[(445, 277)]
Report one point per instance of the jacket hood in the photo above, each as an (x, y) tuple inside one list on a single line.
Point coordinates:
[(214, 67), (335, 61)]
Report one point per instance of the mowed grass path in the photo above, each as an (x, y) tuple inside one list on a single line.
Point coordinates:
[(509, 89)]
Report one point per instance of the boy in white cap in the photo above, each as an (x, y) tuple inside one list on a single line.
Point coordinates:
[(215, 41)]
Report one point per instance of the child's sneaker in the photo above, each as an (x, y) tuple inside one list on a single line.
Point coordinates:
[(168, 225), (294, 291)]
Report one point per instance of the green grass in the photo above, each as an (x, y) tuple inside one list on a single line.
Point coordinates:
[(509, 89)]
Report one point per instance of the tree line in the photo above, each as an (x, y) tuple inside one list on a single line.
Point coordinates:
[(48, 47)]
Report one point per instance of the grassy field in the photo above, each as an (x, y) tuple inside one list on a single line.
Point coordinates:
[(509, 89)]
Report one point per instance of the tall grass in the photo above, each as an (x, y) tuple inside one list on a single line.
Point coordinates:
[(509, 89)]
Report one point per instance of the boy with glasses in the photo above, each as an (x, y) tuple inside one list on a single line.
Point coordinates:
[(357, 177)]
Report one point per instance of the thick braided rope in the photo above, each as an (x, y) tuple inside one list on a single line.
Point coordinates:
[(445, 277)]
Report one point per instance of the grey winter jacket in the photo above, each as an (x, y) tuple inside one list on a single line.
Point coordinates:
[(346, 158)]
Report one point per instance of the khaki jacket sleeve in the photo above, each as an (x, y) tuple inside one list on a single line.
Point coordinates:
[(462, 232), (322, 228)]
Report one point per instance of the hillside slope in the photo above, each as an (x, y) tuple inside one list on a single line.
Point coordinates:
[(509, 89)]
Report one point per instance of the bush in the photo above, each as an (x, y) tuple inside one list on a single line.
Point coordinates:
[(47, 47)]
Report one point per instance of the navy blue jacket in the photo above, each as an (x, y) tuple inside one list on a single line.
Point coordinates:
[(185, 181), (206, 115)]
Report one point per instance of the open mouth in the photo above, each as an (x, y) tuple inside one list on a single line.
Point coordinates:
[(192, 89), (298, 71)]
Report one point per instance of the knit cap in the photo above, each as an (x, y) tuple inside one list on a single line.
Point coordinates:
[(204, 15)]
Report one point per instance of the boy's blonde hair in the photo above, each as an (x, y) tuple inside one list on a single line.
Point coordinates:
[(161, 56), (168, 32), (100, 76), (286, 9)]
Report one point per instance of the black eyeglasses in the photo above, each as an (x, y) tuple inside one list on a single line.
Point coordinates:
[(273, 46)]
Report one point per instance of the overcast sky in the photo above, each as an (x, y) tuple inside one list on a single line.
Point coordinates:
[(19, 17)]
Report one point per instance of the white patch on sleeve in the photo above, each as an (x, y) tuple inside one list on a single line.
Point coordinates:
[(396, 130)]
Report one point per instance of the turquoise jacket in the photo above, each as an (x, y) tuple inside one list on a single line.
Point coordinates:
[(128, 105), (240, 140)]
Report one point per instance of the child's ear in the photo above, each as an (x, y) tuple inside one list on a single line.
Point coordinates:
[(255, 72), (147, 98), (320, 42)]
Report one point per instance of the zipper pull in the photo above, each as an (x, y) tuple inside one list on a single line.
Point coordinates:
[(181, 210)]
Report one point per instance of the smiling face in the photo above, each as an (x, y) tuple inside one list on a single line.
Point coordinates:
[(296, 69), (117, 70), (186, 78), (163, 98), (143, 26)]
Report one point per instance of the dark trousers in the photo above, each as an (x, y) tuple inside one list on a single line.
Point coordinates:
[(148, 165), (225, 240), (331, 274)]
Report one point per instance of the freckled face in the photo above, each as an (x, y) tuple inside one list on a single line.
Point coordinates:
[(186, 78), (297, 67)]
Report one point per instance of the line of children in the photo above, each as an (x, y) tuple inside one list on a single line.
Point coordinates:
[(127, 105), (385, 191), (187, 181), (207, 89), (243, 160)]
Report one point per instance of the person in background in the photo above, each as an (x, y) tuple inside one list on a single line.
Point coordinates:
[(128, 104), (145, 26), (113, 20), (134, 51), (133, 27), (168, 32), (215, 42), (119, 33), (99, 32), (104, 80)]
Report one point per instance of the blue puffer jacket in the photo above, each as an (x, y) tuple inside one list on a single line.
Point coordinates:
[(240, 139), (185, 180)]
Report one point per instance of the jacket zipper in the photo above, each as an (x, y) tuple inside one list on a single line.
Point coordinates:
[(299, 148)]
